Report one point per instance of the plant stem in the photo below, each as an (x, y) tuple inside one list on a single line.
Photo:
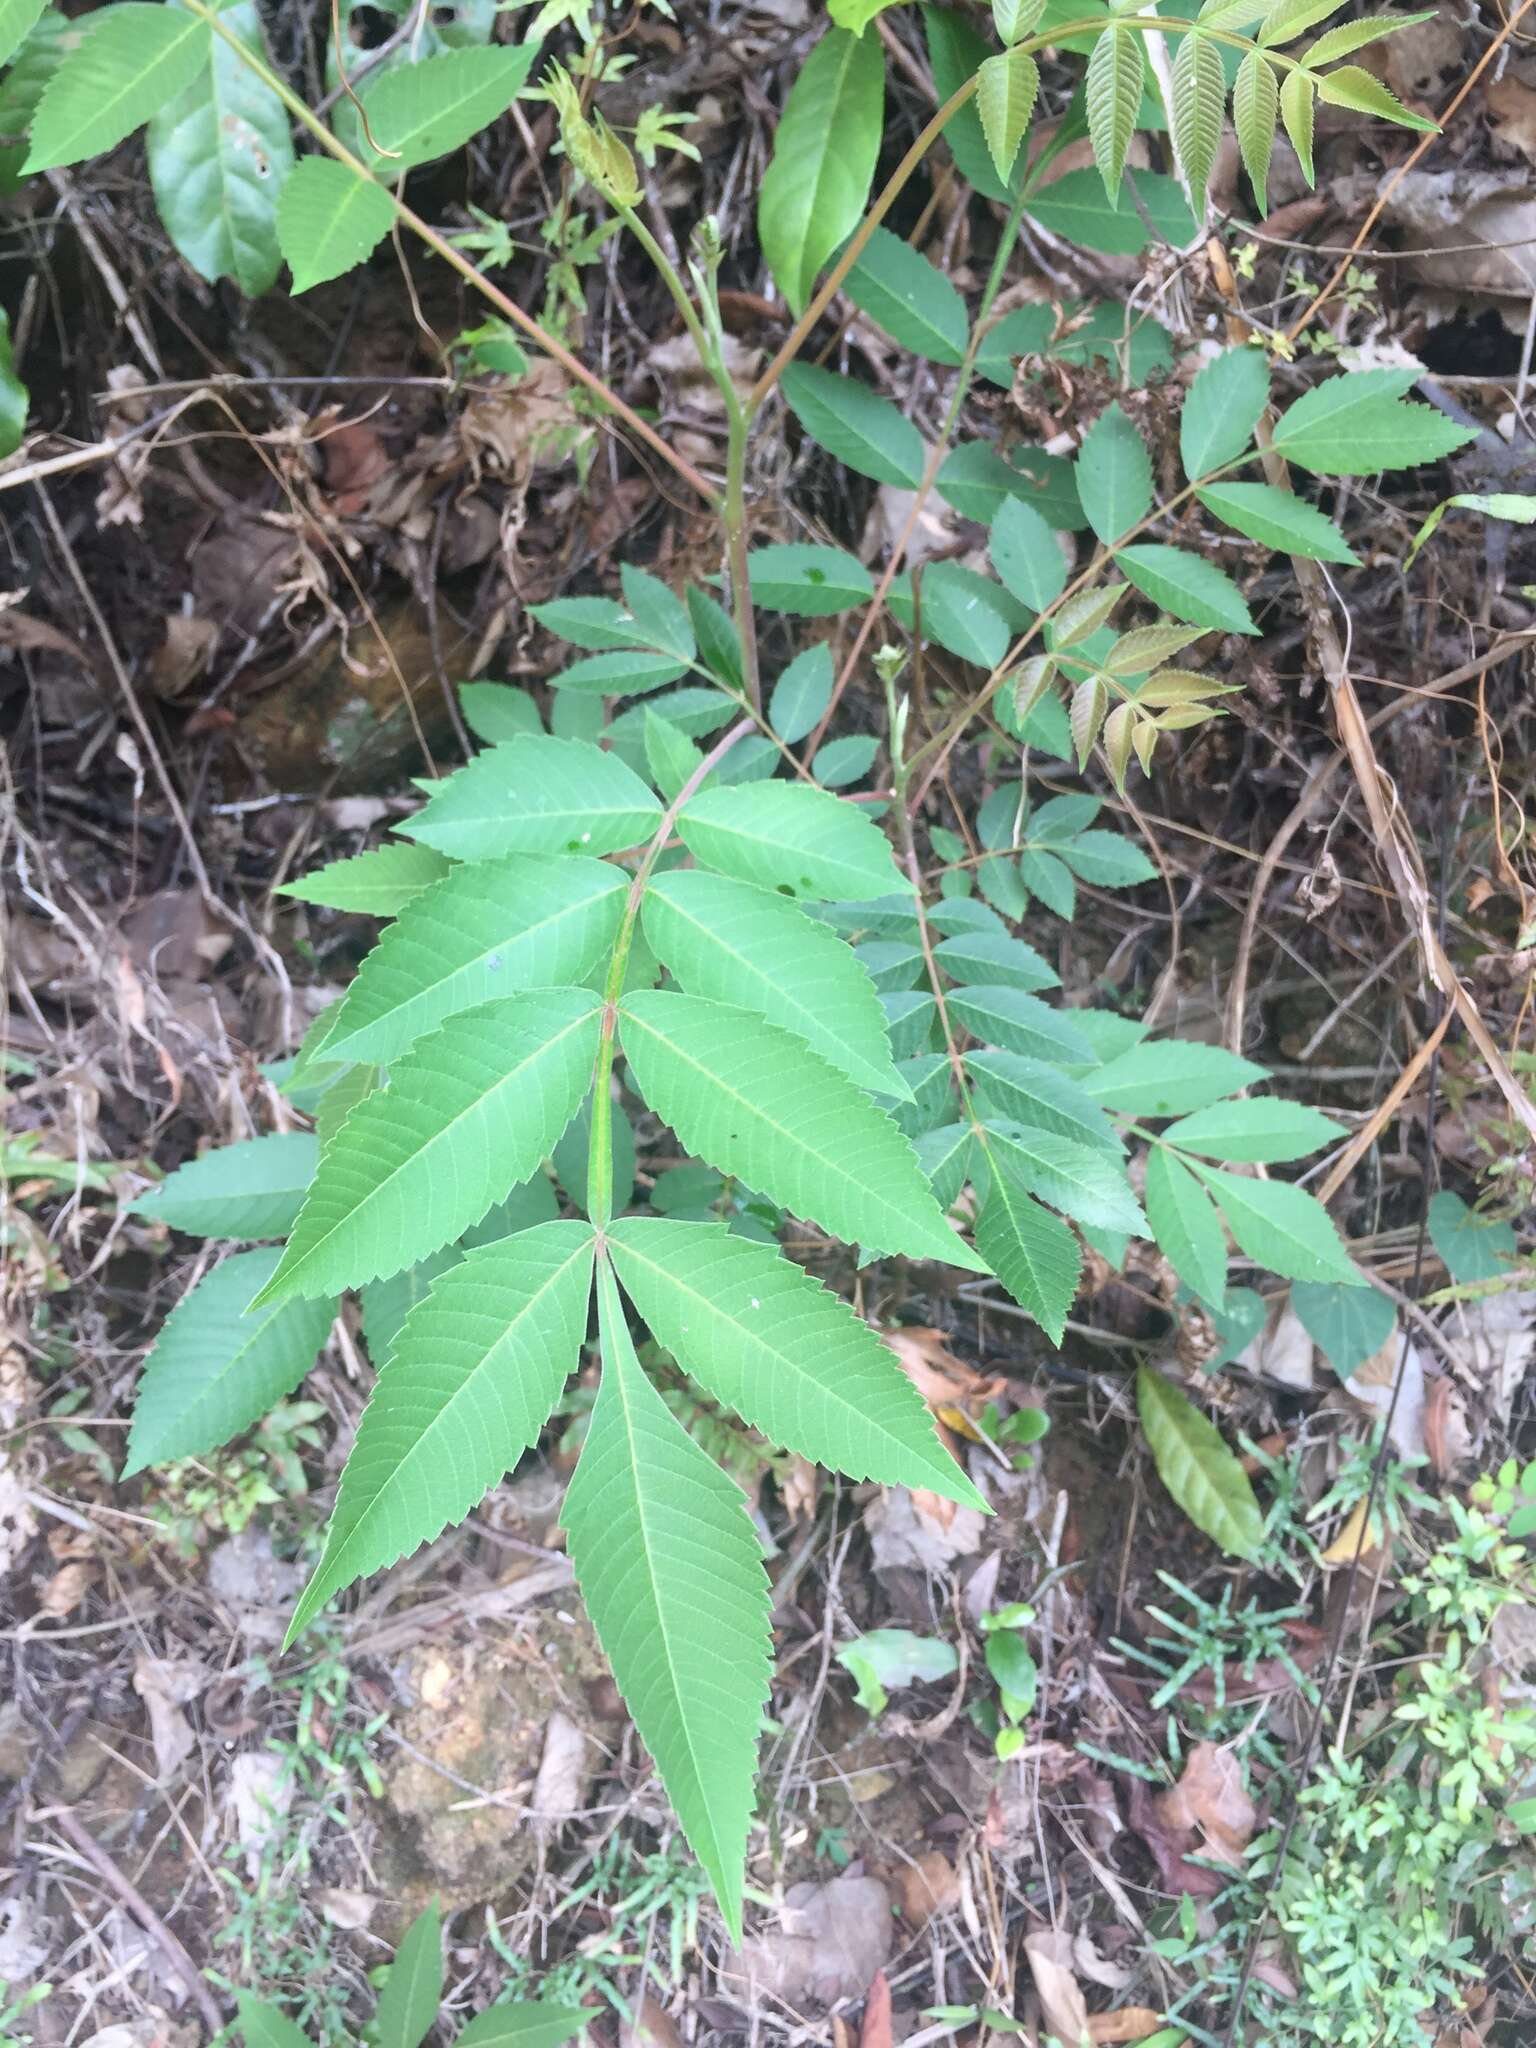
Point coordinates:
[(600, 1142), (440, 246)]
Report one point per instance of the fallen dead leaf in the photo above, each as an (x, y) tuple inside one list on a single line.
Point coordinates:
[(1130, 2023), (1062, 2005), (349, 1910), (876, 2030), (1210, 1805), (65, 1590), (903, 1536), (652, 2027), (831, 1942), (930, 1885), (1353, 1537), (564, 1769), (182, 656), (165, 1684)]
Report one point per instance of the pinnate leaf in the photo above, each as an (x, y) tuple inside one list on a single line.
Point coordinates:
[(219, 1364), (266, 2026), (1188, 586), (1281, 1227), (219, 155), (1196, 1466), (1027, 556), (1112, 91), (802, 694), (378, 883), (1359, 90), (791, 838), (254, 1188), (786, 1354), (671, 1571), (1114, 475), (1186, 1226), (132, 60), (329, 219), (1255, 110), (1031, 1251), (488, 929), (424, 110), (910, 298), (1357, 424), (824, 155), (524, 2025), (733, 942), (1256, 1128), (1034, 1092), (863, 430), (1007, 86), (470, 1382), (17, 20), (1224, 405), (1169, 1077), (1278, 519), (1018, 1022), (537, 795), (469, 1113), (753, 1101), (1085, 1182), (1195, 116), (1298, 109)]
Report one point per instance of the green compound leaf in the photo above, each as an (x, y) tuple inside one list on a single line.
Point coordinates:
[(1085, 1182), (1298, 110), (791, 838), (1007, 87), (625, 672), (1347, 1324), (329, 220), (523, 2025), (660, 615), (1281, 1227), (1354, 87), (1198, 107), (490, 929), (734, 943), (1188, 586), (219, 157), (537, 795), (863, 430), (824, 153), (1169, 1077), (1031, 1251), (1114, 475), (1197, 1468), (1260, 1128), (420, 111), (786, 1354), (671, 1571), (1186, 1225), (802, 694), (472, 1377), (808, 581), (469, 1114), (1358, 424), (254, 1188), (1278, 519), (1255, 111), (135, 57), (753, 1101), (1034, 1093), (219, 1364), (1112, 94), (995, 960), (378, 883), (910, 298), (1224, 405), (18, 18), (1027, 555), (1018, 1022), (413, 1989)]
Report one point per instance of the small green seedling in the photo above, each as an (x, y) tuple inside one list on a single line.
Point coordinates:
[(1014, 1671)]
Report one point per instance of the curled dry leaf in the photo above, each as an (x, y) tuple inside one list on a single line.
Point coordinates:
[(1210, 1798), (1062, 2005), (1130, 2023), (66, 1589), (165, 1684), (564, 1769), (831, 1942), (904, 1535), (930, 1885)]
